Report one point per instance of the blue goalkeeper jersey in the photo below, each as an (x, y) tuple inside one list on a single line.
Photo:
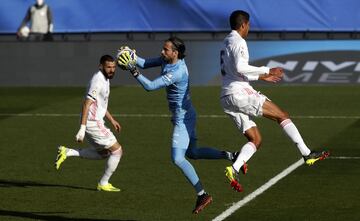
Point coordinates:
[(175, 77)]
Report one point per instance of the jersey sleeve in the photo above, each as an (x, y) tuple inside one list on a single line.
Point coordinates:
[(149, 62), (93, 90), (242, 66), (49, 16), (151, 85), (160, 82)]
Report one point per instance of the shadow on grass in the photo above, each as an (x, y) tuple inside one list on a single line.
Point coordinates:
[(48, 216), (25, 184)]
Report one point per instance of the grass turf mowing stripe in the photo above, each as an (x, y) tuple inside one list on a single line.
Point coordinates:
[(259, 191)]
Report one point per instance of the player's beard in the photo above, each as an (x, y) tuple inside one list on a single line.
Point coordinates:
[(167, 60), (110, 76)]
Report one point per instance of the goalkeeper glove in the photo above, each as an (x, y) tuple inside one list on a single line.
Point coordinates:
[(134, 71), (126, 58)]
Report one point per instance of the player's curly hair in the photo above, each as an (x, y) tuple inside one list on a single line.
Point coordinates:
[(237, 18), (178, 45)]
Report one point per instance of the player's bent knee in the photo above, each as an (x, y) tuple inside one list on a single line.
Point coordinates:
[(177, 160), (283, 116), (116, 149), (104, 153), (192, 153), (117, 152), (257, 141)]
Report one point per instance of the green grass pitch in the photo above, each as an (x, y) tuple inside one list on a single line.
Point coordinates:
[(152, 187)]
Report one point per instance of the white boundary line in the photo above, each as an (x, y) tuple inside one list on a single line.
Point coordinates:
[(344, 158), (160, 115), (258, 191), (267, 185)]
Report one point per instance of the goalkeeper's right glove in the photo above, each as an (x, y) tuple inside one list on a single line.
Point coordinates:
[(125, 63)]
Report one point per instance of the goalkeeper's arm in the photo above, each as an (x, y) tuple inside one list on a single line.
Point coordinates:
[(148, 62), (150, 85)]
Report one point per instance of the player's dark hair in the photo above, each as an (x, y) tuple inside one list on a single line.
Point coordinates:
[(237, 18), (178, 45), (106, 58)]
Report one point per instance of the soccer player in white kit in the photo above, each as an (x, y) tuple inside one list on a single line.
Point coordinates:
[(103, 142), (241, 102)]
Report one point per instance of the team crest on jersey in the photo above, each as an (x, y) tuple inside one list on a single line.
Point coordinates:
[(242, 51), (168, 76), (93, 93)]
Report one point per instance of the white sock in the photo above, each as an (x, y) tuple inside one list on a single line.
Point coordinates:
[(291, 130), (111, 166), (72, 152), (245, 154), (201, 192), (89, 153)]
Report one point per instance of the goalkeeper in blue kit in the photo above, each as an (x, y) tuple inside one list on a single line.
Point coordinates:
[(175, 78)]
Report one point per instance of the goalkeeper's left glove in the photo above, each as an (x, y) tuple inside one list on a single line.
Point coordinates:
[(126, 57)]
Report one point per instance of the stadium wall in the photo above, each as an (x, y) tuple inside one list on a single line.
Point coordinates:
[(71, 63)]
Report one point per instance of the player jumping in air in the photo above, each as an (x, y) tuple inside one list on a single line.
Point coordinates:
[(241, 102), (175, 78)]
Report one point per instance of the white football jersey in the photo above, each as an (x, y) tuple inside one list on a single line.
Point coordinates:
[(235, 69), (98, 90)]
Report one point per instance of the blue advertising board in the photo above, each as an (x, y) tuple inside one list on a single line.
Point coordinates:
[(187, 15), (304, 62)]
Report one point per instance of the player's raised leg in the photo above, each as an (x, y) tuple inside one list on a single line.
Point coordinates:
[(60, 157), (272, 111), (208, 153), (87, 153)]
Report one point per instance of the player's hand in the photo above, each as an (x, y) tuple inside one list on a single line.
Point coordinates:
[(278, 72), (270, 78), (134, 71), (80, 134), (126, 58), (116, 125)]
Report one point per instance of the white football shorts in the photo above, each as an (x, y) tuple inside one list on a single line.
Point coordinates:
[(242, 106), (99, 136)]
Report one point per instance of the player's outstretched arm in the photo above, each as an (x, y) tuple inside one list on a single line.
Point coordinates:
[(274, 76)]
